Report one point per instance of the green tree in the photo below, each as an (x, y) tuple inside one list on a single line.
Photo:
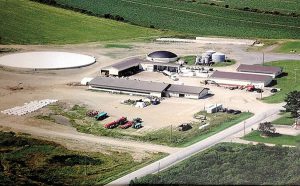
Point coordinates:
[(293, 103), (266, 128)]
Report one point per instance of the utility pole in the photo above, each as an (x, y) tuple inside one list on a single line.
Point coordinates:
[(296, 75), (244, 128), (171, 133)]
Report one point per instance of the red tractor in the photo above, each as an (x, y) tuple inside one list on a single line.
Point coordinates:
[(250, 88)]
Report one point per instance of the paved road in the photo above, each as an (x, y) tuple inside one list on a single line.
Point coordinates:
[(197, 147)]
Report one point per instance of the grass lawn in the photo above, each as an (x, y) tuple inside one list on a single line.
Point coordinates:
[(288, 82), (191, 61), (280, 140), (218, 122), (28, 161), (289, 47), (26, 22), (285, 119), (112, 45), (232, 164)]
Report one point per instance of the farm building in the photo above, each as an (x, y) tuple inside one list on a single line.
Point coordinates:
[(123, 68), (144, 88), (260, 69), (187, 91), (162, 56), (127, 86), (240, 79), (134, 65), (156, 66)]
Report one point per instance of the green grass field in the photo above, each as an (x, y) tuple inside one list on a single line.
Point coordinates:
[(232, 164), (195, 18), (288, 82), (82, 123), (279, 140), (28, 161), (285, 119), (289, 47), (25, 22)]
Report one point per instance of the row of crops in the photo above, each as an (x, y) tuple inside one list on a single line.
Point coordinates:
[(194, 18)]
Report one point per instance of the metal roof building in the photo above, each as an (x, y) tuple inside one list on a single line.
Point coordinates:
[(240, 79), (260, 69), (134, 65), (187, 91), (122, 68), (123, 85), (137, 87)]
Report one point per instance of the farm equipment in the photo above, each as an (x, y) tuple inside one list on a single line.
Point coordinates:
[(116, 123), (92, 113), (111, 125), (250, 88), (184, 127), (126, 125), (137, 123), (101, 116)]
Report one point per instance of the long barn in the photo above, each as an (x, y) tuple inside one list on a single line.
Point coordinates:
[(146, 88)]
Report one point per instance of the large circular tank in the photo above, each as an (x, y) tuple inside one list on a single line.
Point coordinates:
[(218, 57), (162, 56), (46, 60)]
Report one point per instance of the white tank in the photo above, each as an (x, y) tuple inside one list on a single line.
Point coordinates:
[(218, 57)]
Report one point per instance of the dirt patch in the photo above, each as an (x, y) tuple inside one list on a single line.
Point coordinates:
[(59, 119)]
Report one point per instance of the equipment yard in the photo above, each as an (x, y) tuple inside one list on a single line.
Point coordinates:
[(19, 86)]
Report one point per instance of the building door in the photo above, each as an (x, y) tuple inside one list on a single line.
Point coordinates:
[(181, 95)]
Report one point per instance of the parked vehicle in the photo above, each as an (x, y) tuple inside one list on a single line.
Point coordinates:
[(230, 111), (92, 113), (101, 116), (259, 90), (126, 125), (237, 112), (273, 90)]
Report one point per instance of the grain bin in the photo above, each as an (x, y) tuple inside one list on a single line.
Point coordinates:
[(218, 57)]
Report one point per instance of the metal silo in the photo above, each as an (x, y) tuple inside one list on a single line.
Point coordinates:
[(218, 57)]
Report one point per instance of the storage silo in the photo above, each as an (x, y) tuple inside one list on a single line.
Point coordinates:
[(218, 57)]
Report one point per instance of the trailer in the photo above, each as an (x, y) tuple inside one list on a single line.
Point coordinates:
[(101, 116)]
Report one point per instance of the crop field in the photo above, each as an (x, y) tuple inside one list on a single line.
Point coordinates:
[(26, 22), (287, 82), (232, 164), (195, 18), (28, 161), (270, 5), (170, 136)]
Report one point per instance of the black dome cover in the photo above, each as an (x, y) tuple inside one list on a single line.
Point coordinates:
[(162, 54)]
